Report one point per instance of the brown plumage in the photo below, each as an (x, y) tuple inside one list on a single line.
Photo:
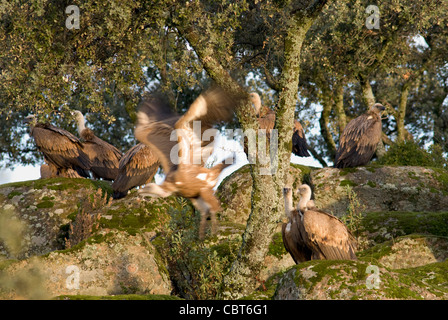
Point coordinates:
[(136, 168), (63, 151), (182, 151), (266, 120), (48, 171), (360, 138), (104, 158), (312, 234)]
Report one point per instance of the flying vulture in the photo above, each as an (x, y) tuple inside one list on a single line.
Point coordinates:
[(104, 157), (63, 151), (360, 139), (266, 120), (312, 234), (137, 167), (181, 148)]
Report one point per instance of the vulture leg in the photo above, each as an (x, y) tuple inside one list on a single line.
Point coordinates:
[(48, 170), (208, 205), (204, 210)]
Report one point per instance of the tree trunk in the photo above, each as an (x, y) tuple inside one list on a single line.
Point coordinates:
[(402, 112), (339, 107), (366, 91), (324, 122), (266, 198)]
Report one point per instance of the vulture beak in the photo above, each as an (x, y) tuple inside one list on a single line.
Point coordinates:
[(28, 119)]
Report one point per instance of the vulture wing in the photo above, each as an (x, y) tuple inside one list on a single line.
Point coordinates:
[(193, 128), (293, 241), (155, 128), (328, 236), (104, 157), (60, 147), (137, 167), (358, 141), (299, 144)]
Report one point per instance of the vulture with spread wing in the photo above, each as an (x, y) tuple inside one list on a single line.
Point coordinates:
[(312, 234), (104, 158), (182, 144), (360, 138), (63, 152), (266, 120), (136, 168)]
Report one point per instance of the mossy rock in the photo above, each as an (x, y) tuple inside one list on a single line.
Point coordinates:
[(379, 227), (235, 190), (353, 280), (408, 251), (381, 188), (108, 264)]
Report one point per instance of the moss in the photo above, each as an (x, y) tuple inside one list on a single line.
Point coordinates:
[(403, 223), (371, 184), (45, 204), (62, 184), (276, 247), (441, 175), (13, 194), (345, 171), (372, 168), (350, 183)]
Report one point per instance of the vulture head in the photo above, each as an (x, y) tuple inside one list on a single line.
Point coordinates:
[(30, 120), (305, 202), (377, 108), (256, 101)]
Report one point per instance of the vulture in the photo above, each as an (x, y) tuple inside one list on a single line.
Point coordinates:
[(176, 143), (312, 234), (63, 152), (360, 138), (104, 158), (137, 167), (266, 120)]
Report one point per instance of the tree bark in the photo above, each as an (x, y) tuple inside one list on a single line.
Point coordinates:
[(402, 112), (366, 91), (266, 198), (324, 122), (339, 107)]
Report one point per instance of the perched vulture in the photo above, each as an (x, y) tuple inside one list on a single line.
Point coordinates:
[(360, 139), (312, 234), (137, 167), (266, 120), (104, 157), (63, 152), (177, 144)]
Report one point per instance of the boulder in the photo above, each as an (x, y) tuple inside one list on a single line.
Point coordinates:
[(234, 192), (345, 280), (111, 263), (381, 188)]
